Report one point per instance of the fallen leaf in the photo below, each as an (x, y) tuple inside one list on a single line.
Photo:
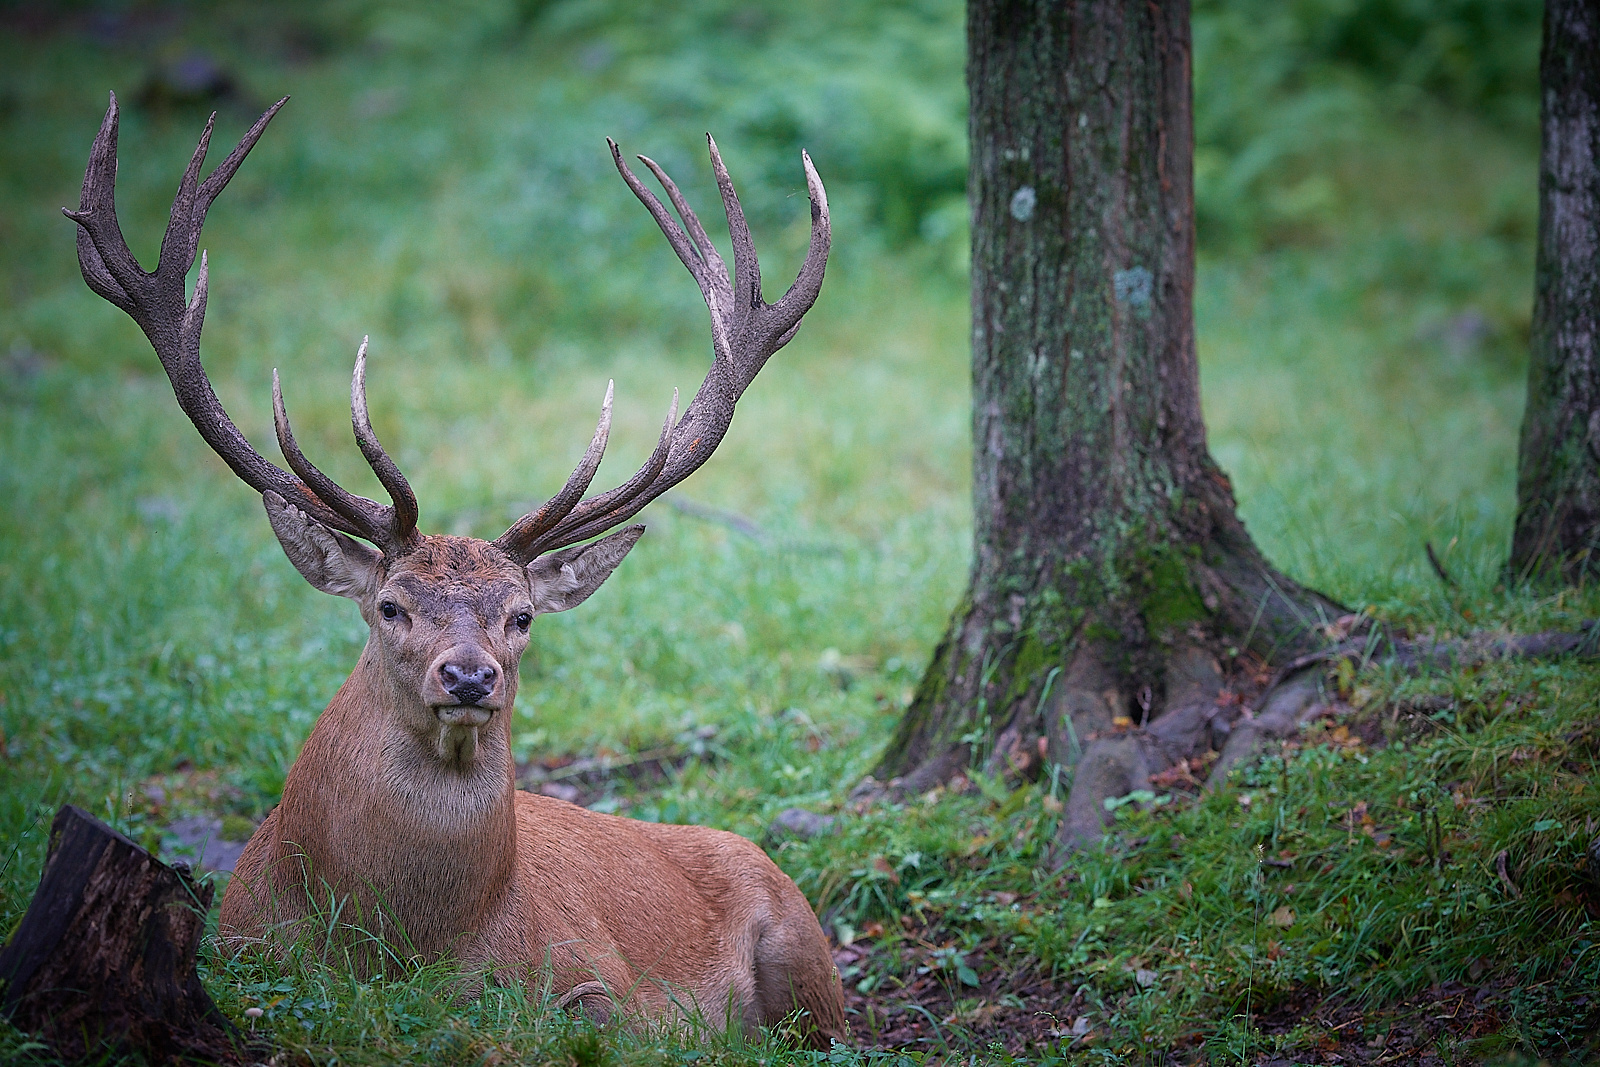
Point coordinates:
[(1177, 774), (1282, 916)]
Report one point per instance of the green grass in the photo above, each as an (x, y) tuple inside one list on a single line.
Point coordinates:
[(444, 186)]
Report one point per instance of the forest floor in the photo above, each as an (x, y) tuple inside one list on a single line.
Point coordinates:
[(1021, 1013)]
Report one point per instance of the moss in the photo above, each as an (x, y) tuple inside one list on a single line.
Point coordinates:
[(1033, 658), (930, 690), (1103, 633), (1169, 597)]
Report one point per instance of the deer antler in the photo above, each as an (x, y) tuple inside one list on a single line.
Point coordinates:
[(745, 332), (156, 302), (387, 527)]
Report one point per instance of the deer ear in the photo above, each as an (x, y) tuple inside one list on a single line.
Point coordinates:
[(564, 579), (329, 560)]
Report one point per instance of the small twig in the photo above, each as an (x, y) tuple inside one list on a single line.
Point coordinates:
[(1505, 876), (606, 764), (750, 528), (731, 519), (1438, 567)]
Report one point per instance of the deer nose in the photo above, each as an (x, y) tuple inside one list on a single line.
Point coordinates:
[(467, 683)]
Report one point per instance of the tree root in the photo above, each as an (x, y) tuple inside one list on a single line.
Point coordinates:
[(1095, 722), (1114, 763)]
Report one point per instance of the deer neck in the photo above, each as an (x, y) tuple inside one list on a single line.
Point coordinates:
[(379, 802)]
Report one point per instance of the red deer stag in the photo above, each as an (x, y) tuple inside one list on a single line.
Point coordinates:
[(403, 804)]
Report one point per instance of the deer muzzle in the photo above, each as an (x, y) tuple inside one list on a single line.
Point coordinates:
[(464, 686)]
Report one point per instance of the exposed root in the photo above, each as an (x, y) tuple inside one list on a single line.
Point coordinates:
[(1120, 737), (1116, 763)]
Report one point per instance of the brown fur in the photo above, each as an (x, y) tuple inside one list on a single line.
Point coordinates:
[(401, 818)]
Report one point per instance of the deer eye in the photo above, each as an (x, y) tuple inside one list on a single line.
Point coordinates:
[(389, 609), (522, 620)]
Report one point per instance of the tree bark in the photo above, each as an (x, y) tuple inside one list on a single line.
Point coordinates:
[(1557, 532), (1112, 581), (104, 959)]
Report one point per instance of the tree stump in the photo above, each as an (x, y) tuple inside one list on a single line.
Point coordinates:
[(104, 959)]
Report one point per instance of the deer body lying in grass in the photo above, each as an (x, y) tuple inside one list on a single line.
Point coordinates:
[(402, 808)]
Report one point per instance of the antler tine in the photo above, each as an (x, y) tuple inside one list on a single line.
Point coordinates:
[(182, 235), (189, 206), (596, 514), (745, 330), (719, 297), (690, 252), (764, 328), (402, 517), (372, 520), (808, 283), (691, 221), (156, 300), (746, 267), (111, 270), (521, 539)]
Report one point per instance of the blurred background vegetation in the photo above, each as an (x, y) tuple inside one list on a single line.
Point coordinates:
[(1366, 188), (1365, 175)]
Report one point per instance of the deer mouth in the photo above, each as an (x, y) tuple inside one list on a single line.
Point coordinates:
[(463, 714)]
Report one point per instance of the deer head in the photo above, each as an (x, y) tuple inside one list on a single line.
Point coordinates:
[(449, 616)]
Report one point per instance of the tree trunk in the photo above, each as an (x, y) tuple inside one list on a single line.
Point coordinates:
[(1112, 580), (1557, 532), (104, 959)]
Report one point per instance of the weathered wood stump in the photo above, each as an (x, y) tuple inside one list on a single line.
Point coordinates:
[(104, 959)]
